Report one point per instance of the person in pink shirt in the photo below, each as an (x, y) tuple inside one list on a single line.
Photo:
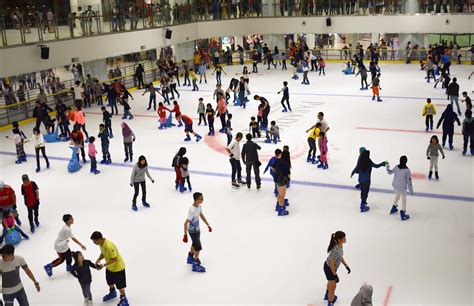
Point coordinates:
[(81, 120), (323, 148), (221, 110), (92, 153)]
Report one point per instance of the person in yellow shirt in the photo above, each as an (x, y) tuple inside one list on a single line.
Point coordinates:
[(312, 136), (115, 268), (429, 110), (197, 60), (194, 78)]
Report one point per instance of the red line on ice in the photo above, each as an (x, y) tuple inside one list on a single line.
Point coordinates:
[(387, 296), (402, 131), (134, 115)]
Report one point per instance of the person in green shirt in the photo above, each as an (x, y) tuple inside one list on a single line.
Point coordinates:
[(115, 268)]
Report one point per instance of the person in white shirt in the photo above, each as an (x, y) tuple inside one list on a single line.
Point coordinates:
[(324, 124), (234, 157), (38, 142), (78, 94), (62, 246)]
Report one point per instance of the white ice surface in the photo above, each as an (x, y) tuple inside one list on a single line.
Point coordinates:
[(253, 256)]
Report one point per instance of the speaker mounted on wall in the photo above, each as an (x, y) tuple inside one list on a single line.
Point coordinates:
[(168, 33), (44, 52), (328, 21)]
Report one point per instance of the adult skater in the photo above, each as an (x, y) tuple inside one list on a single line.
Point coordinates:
[(429, 110), (191, 226), (282, 169), (364, 297), (266, 110), (152, 100), (115, 268), (453, 94), (221, 111), (30, 191), (363, 77), (286, 97), (61, 246), (175, 164), (401, 182), (468, 133), (138, 179), (234, 158), (250, 159), (12, 287), (243, 92), (448, 118), (332, 263), (364, 169)]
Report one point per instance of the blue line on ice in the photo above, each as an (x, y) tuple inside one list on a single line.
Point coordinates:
[(293, 182)]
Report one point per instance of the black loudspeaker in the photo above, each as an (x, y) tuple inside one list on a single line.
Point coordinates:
[(45, 52), (328, 21), (168, 33)]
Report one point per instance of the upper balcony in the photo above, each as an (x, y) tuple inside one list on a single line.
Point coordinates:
[(33, 25)]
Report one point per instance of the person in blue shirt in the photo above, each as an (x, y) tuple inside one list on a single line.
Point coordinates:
[(364, 169), (271, 164)]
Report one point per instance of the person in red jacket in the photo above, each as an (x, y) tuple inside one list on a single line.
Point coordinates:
[(77, 139), (8, 200), (162, 114), (177, 111), (30, 192), (188, 128)]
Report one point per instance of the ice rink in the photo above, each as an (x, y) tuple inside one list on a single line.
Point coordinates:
[(253, 256)]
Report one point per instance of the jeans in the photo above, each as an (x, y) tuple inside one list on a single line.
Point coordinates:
[(429, 122), (152, 100), (136, 188), (468, 137), (256, 170), (43, 152), (86, 291), (312, 147), (229, 138), (236, 169), (218, 78), (20, 296), (93, 163), (364, 191), (128, 147), (455, 99), (113, 105), (108, 127), (105, 151)]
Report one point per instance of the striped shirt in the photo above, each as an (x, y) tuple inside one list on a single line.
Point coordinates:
[(336, 254), (10, 270)]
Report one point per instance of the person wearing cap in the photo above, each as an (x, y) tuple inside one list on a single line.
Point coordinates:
[(30, 192), (8, 200), (12, 288), (115, 268)]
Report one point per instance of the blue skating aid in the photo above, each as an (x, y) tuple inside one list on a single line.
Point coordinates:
[(12, 237), (74, 165), (169, 121), (54, 137), (110, 296)]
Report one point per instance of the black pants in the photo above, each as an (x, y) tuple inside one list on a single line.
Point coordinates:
[(222, 116), (265, 117), (83, 127), (429, 122), (467, 138), (211, 124), (152, 100), (136, 187), (140, 82), (66, 256), (362, 81), (254, 68), (173, 90), (43, 152), (256, 171), (33, 212), (283, 65), (128, 147), (202, 117), (430, 72), (44, 121), (83, 154), (105, 151), (236, 169), (321, 69), (108, 127), (314, 65), (312, 147), (448, 135), (93, 163), (364, 191), (287, 99)]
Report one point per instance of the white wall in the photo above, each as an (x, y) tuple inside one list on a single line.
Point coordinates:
[(15, 60)]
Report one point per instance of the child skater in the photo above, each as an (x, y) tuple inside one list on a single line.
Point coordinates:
[(92, 152), (376, 88), (104, 142), (18, 141), (15, 125), (332, 263), (429, 110), (138, 179), (126, 109), (176, 166), (363, 77), (82, 271), (184, 163), (202, 72), (30, 191), (401, 182), (218, 71), (38, 142), (286, 97), (107, 120), (364, 169), (162, 114), (270, 165), (210, 113), (188, 128), (128, 139), (254, 128), (177, 113), (273, 133), (323, 148), (191, 226), (287, 149), (468, 132), (282, 168), (432, 154), (321, 65), (202, 112), (9, 224), (194, 77)]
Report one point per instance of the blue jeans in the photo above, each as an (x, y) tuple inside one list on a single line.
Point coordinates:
[(20, 296), (455, 99)]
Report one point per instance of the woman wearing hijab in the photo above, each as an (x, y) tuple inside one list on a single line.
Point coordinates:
[(128, 139), (364, 297), (401, 182)]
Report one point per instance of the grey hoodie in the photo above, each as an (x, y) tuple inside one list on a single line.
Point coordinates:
[(364, 297)]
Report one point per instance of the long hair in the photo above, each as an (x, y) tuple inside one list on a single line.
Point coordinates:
[(142, 157), (335, 238)]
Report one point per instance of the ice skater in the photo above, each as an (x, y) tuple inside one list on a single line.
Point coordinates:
[(191, 226), (201, 112), (218, 70), (323, 149), (107, 120), (30, 192), (312, 136), (466, 99), (332, 263), (92, 152), (188, 128), (61, 246), (8, 221), (447, 119), (401, 182), (250, 159), (233, 149), (468, 133), (376, 87), (282, 170), (183, 167), (177, 113), (453, 94), (363, 77), (429, 110), (138, 179), (176, 166), (221, 111), (285, 98), (432, 154), (19, 146), (82, 271), (364, 169), (228, 128), (194, 77), (162, 115), (152, 100), (254, 128), (128, 139), (270, 166), (38, 142), (104, 143), (273, 133), (210, 113)]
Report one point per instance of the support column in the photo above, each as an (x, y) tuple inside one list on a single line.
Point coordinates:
[(411, 7)]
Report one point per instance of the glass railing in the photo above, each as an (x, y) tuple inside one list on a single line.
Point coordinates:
[(30, 26)]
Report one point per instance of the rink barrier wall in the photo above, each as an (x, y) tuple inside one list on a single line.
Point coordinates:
[(266, 179)]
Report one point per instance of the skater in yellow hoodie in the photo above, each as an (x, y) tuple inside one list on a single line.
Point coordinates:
[(429, 110)]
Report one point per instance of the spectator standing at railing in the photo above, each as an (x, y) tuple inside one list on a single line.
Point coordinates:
[(78, 94), (82, 20), (20, 93), (139, 75), (50, 18)]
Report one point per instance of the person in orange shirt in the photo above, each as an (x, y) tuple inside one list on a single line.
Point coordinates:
[(188, 128), (80, 120), (221, 110)]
